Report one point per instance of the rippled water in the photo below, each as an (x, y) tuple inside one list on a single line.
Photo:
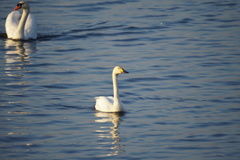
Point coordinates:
[(182, 95)]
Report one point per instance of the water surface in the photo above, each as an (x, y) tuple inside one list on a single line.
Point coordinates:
[(182, 94)]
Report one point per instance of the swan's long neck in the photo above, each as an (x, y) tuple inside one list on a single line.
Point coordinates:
[(115, 90), (19, 34)]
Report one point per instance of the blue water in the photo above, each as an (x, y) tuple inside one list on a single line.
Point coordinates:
[(182, 94)]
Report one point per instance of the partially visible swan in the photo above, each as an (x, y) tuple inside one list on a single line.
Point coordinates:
[(21, 27), (111, 104)]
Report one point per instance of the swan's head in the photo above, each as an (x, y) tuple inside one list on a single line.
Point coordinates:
[(22, 5), (118, 70)]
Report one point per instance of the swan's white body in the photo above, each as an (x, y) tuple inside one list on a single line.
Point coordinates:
[(111, 104), (21, 26)]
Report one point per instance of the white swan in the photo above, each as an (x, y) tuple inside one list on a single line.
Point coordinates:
[(24, 28), (111, 104)]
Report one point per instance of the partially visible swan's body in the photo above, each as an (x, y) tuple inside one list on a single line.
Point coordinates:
[(21, 26), (111, 104)]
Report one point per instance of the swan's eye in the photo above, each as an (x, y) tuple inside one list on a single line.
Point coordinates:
[(20, 4)]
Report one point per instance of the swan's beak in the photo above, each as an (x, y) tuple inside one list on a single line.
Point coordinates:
[(124, 71), (19, 6)]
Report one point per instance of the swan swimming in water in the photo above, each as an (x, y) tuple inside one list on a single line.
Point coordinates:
[(21, 27), (111, 104)]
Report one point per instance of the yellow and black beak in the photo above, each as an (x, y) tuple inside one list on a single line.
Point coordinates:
[(124, 71)]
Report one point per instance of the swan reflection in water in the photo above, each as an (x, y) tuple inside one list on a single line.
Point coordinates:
[(109, 135), (17, 55)]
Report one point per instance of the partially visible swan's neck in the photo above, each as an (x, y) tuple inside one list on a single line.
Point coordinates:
[(19, 34), (115, 90)]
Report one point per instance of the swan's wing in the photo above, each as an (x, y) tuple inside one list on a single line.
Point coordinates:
[(104, 103), (11, 24), (30, 30)]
